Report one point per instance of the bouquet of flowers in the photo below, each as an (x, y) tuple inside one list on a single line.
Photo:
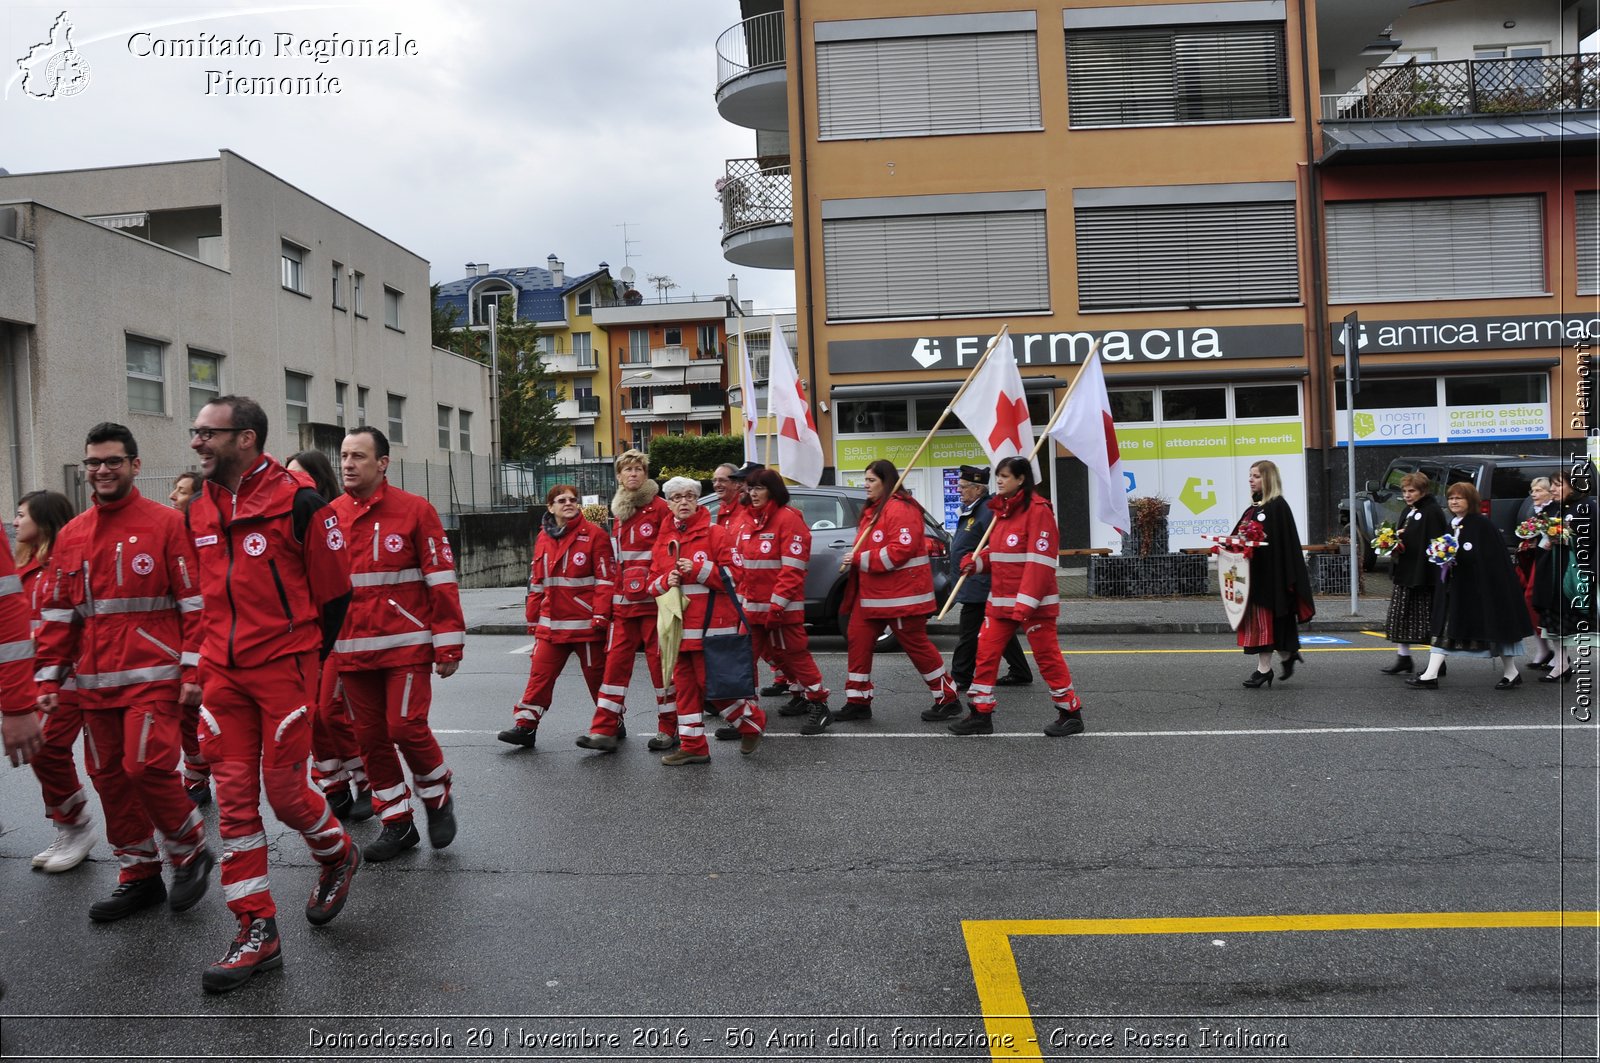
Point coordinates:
[(1531, 528), (1555, 527), (1387, 542), (1442, 552)]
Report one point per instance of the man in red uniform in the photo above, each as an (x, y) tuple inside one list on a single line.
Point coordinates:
[(19, 722), (404, 621), (124, 617), (275, 580)]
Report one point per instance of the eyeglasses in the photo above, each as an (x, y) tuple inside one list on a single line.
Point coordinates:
[(565, 500), (205, 434), (683, 496), (93, 464)]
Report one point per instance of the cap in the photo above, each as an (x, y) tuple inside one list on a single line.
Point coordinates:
[(743, 472), (975, 474)]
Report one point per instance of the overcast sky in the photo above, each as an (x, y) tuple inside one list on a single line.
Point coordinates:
[(517, 130)]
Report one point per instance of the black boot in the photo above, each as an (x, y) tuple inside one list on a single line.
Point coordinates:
[(1401, 664)]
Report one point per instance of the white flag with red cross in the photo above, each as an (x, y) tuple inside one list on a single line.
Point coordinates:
[(1085, 427), (994, 407), (799, 445)]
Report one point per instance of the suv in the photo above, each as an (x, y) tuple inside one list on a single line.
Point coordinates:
[(1502, 481), (832, 514)]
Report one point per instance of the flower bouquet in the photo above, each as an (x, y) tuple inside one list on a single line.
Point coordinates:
[(1555, 527), (1531, 528), (1387, 542), (1442, 552)]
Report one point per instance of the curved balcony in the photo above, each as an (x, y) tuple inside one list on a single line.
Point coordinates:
[(752, 81), (757, 215)]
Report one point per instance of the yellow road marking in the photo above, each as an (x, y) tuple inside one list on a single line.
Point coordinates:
[(1005, 1007)]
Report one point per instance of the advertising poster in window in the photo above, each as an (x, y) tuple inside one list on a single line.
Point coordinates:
[(1448, 424), (931, 483)]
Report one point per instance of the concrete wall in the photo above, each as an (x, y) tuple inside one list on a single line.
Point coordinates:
[(493, 549)]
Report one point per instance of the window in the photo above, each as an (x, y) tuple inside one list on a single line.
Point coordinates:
[(1391, 393), (1277, 400), (1522, 73), (444, 427), (1468, 248), (485, 302), (1586, 236), (361, 406), (356, 280), (1194, 404), (391, 308), (1187, 246), (586, 301), (297, 399), (706, 338), (465, 417), (958, 74), (936, 256), (397, 419), (341, 392), (583, 349), (1160, 75), (294, 260), (205, 380), (1134, 406), (641, 437), (673, 337), (338, 289), (147, 382), (638, 345), (1493, 390), (871, 416)]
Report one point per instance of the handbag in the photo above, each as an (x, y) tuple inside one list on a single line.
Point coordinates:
[(730, 659)]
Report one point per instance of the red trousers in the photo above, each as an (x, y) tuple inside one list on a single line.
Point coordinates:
[(912, 632), (689, 678), (66, 802), (132, 758), (391, 710), (1041, 635), (545, 665), (627, 637), (335, 755), (256, 727), (789, 649), (195, 768)]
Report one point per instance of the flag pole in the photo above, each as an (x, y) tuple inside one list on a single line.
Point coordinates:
[(1037, 444), (1004, 329), (772, 422)]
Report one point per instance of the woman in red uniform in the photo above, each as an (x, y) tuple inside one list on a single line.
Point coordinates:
[(1021, 560), (773, 545), (692, 553), (40, 516), (893, 588), (571, 558)]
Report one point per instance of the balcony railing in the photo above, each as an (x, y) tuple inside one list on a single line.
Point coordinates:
[(563, 362), (754, 44), (1522, 85), (753, 196), (584, 408)]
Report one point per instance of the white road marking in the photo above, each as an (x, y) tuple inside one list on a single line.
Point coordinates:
[(524, 650), (1167, 734)]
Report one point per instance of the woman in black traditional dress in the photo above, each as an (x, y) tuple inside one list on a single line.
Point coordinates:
[(1280, 588), (1479, 611), (1410, 617), (1567, 622), (1542, 504)]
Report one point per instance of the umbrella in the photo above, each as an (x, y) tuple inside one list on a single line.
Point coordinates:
[(669, 624)]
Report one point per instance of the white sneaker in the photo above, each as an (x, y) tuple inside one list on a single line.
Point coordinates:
[(41, 859), (71, 847)]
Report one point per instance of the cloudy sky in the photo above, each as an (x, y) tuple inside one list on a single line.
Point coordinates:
[(516, 130)]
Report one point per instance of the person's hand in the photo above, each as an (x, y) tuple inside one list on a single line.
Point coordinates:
[(673, 579), (849, 559), (22, 737), (969, 565), (685, 565), (46, 703), (445, 669), (189, 694), (599, 623)]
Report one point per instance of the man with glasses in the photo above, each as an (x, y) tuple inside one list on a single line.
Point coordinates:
[(404, 621), (123, 616), (275, 580)]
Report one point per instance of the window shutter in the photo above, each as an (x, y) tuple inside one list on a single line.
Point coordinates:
[(1182, 75), (928, 86), (936, 265), (1587, 236), (1187, 255), (1465, 248)]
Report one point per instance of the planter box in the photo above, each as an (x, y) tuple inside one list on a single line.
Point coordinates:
[(1156, 576)]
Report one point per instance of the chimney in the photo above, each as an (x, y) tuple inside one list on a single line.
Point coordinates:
[(733, 288), (556, 276), (472, 269)]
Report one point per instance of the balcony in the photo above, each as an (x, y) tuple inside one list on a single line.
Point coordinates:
[(757, 214), (669, 357), (752, 81), (579, 411), (569, 363)]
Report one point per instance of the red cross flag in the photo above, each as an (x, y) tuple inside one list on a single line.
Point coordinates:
[(747, 399), (799, 446), (1085, 427), (995, 409)]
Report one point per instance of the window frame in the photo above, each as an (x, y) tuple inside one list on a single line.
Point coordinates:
[(464, 430), (392, 299), (291, 425), (338, 290), (214, 392), (159, 379), (293, 266), (397, 421), (443, 425)]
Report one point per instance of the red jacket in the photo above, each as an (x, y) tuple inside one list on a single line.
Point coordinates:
[(709, 547), (564, 582), (405, 608), (36, 589), (894, 578), (1021, 556), (773, 546), (634, 539), (123, 606), (17, 694), (273, 568)]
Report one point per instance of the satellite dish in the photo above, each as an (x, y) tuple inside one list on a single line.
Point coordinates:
[(627, 274)]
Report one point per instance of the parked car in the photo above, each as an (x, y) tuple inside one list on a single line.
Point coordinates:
[(832, 514), (1501, 479)]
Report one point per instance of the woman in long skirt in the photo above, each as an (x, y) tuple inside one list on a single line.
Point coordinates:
[(1280, 588), (1410, 617)]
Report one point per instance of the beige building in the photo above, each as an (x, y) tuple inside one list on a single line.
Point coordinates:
[(137, 293)]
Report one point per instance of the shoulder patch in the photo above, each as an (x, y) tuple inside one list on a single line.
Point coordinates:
[(331, 523)]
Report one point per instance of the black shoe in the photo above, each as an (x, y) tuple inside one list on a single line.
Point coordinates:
[(442, 823), (1401, 664), (1542, 666), (773, 690), (818, 721), (944, 710), (1068, 722), (795, 706), (1422, 684), (1444, 669), (854, 710), (129, 897), (333, 887), (1013, 680), (1557, 677), (1289, 663), (200, 793), (340, 802), (622, 730), (255, 949), (1259, 679), (396, 838), (1508, 684), (517, 736), (361, 808), (189, 882), (726, 733), (662, 742), (974, 723)]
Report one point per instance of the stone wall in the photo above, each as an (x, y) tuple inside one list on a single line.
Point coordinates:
[(493, 549)]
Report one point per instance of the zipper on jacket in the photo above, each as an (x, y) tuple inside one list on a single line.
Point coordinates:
[(401, 610), (233, 608), (433, 553), (119, 564), (375, 537), (283, 595), (183, 568), (162, 646)]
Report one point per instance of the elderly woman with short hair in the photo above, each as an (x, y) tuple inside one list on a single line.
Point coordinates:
[(1410, 616)]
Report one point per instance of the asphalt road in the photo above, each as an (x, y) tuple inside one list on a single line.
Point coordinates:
[(1097, 894)]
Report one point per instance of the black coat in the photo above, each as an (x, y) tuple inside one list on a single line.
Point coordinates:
[(1556, 610), (1422, 523), (1481, 600), (974, 521), (1278, 576)]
